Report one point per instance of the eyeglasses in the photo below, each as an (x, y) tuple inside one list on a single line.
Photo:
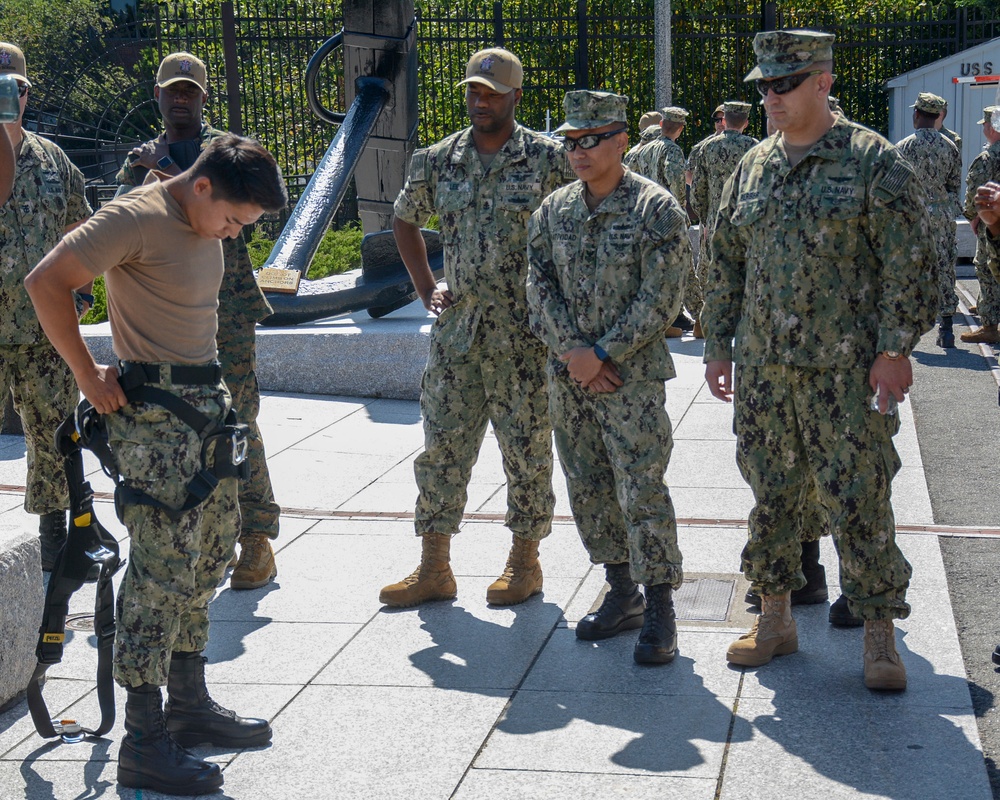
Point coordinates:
[(784, 85), (22, 89), (589, 141)]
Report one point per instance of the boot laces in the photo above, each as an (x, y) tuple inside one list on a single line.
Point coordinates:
[(880, 645)]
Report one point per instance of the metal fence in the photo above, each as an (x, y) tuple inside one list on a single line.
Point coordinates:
[(100, 104)]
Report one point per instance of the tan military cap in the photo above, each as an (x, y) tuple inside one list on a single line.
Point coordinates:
[(495, 67), (930, 103), (182, 67), (12, 62), (736, 107), (649, 118), (674, 114), (781, 53), (587, 109)]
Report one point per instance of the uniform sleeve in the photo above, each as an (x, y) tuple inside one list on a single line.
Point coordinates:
[(415, 203), (725, 277), (109, 238), (77, 207), (953, 180), (548, 312), (666, 261), (899, 231), (699, 191), (978, 175)]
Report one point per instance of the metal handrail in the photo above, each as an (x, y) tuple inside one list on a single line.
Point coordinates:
[(312, 71)]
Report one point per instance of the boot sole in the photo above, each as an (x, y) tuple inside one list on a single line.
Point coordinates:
[(652, 657), (503, 601), (755, 660), (136, 780), (195, 739), (414, 603), (627, 624), (237, 584), (887, 686)]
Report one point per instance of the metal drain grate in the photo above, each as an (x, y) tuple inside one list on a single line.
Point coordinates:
[(705, 599), (80, 622)]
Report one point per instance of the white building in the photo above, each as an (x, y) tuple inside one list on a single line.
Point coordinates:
[(969, 81)]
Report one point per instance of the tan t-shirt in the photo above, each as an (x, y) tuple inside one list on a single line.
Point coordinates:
[(162, 278)]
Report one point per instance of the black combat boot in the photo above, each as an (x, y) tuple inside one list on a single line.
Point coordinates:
[(621, 610), (683, 321), (193, 717), (946, 336), (52, 536), (150, 759), (815, 591), (841, 616), (658, 638)]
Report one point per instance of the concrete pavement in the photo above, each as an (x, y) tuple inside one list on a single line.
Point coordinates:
[(463, 700)]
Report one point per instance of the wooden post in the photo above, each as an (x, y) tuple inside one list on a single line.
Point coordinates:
[(380, 41)]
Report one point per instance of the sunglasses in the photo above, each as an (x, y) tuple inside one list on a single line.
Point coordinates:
[(784, 85), (719, 119), (22, 89), (589, 141)]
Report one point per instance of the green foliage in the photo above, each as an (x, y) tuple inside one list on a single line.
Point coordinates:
[(339, 251), (99, 311)]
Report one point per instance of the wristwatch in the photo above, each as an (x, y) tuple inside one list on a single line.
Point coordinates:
[(164, 162), (892, 355)]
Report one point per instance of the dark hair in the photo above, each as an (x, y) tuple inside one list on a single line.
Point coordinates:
[(736, 118), (242, 171), (926, 116)]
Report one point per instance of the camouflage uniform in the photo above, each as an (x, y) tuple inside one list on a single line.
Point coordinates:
[(938, 168), (47, 197), (815, 270), (174, 566), (484, 365), (646, 137), (715, 163), (955, 138), (241, 306), (985, 168), (613, 278), (662, 161)]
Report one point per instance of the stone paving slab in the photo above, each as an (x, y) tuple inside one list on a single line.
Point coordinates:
[(468, 701)]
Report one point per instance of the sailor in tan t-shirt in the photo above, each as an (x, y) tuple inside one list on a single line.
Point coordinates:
[(159, 249)]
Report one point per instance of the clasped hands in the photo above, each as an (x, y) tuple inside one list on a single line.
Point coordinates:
[(589, 372)]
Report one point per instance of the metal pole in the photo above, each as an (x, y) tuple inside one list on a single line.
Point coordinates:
[(664, 49), (582, 45), (232, 62)]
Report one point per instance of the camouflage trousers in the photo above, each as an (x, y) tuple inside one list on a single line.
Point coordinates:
[(461, 392), (45, 393), (614, 449), (174, 565), (799, 428), (946, 249), (238, 355), (989, 288)]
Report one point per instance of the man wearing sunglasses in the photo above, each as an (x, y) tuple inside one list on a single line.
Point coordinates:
[(822, 271), (47, 201), (608, 256), (484, 365)]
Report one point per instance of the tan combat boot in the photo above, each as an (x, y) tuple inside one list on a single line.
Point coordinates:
[(256, 566), (673, 332), (988, 334), (432, 580), (883, 667), (522, 577), (698, 333), (773, 634)]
